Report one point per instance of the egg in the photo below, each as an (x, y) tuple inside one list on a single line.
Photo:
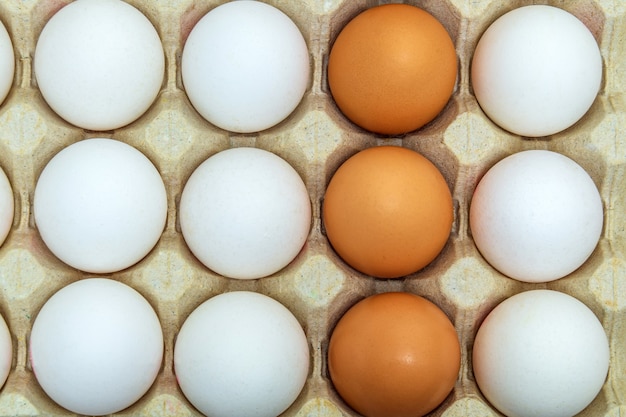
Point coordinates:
[(99, 64), (96, 346), (394, 354), (536, 70), (100, 205), (536, 216), (245, 213), (7, 207), (541, 353), (245, 66), (392, 69), (387, 211), (241, 353), (7, 63), (6, 351)]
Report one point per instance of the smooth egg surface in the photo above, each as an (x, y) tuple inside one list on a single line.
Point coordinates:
[(241, 353), (394, 355), (392, 69), (245, 66), (245, 213), (7, 206), (388, 211), (6, 351), (536, 70), (96, 346), (100, 205), (7, 63), (536, 216), (541, 353), (99, 63)]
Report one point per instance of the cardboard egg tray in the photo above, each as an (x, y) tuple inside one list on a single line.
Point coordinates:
[(317, 286)]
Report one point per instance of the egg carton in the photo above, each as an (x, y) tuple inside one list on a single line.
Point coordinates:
[(318, 287)]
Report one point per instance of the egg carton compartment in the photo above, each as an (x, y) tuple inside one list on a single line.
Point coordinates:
[(318, 287)]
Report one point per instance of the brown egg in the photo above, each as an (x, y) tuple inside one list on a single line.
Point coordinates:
[(394, 355), (387, 211), (392, 69)]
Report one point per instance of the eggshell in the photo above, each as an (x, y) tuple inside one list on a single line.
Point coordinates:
[(241, 354), (388, 211), (536, 216), (100, 205), (7, 63), (394, 354), (541, 353), (536, 70), (245, 213), (85, 74), (245, 66), (6, 351), (392, 69), (7, 206), (96, 346)]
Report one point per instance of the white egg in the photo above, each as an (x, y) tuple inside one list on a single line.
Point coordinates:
[(245, 213), (536, 70), (100, 205), (541, 353), (245, 66), (7, 62), (6, 206), (96, 346), (6, 351), (241, 354), (99, 63), (536, 216)]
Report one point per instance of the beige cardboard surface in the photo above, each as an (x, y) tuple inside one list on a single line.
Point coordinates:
[(317, 286)]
